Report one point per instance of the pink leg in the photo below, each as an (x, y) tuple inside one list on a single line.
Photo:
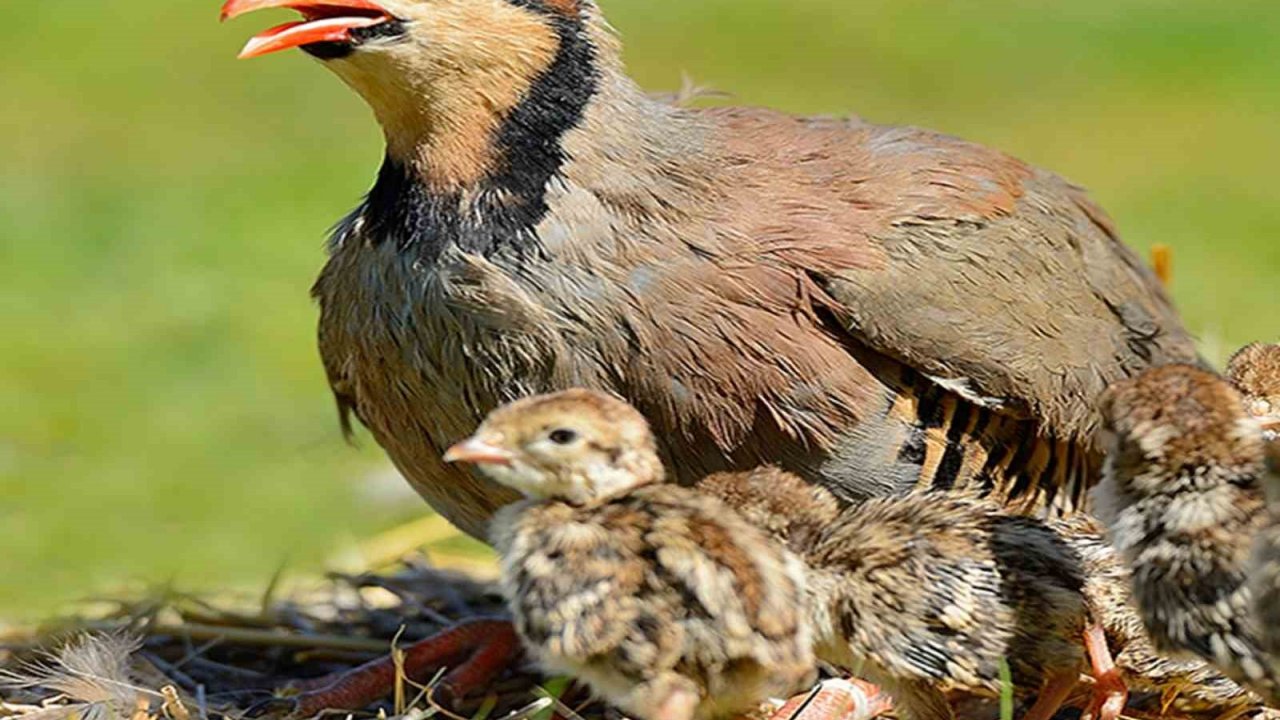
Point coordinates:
[(1110, 694)]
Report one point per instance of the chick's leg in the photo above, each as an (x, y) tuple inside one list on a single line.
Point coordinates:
[(836, 700), (477, 651), (1110, 694), (1055, 692)]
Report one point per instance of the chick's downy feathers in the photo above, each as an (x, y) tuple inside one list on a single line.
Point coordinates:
[(660, 598), (925, 595), (1182, 498)]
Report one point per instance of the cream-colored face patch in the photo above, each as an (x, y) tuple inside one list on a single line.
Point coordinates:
[(442, 91)]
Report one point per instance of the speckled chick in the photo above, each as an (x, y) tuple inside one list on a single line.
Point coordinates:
[(1186, 684), (1183, 502), (1265, 572), (662, 599), (925, 595), (1255, 371), (921, 594)]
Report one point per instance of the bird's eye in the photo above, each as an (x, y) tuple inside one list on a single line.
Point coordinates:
[(563, 436)]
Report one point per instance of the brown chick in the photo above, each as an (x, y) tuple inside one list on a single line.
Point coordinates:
[(1183, 503), (928, 595), (1265, 565), (1187, 684), (921, 595), (1255, 371), (661, 599)]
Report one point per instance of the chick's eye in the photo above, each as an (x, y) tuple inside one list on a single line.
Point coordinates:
[(563, 436)]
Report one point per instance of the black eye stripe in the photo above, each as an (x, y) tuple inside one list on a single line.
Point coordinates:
[(387, 29), (511, 201)]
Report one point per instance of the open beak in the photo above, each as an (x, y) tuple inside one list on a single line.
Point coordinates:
[(476, 451), (330, 21)]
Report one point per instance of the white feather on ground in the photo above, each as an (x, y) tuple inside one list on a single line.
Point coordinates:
[(92, 674)]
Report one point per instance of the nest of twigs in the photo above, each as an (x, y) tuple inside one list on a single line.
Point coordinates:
[(177, 656), (184, 657)]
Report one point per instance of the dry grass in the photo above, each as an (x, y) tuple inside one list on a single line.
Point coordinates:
[(176, 656), (163, 654)]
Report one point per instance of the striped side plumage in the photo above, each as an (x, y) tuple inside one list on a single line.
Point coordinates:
[(961, 446)]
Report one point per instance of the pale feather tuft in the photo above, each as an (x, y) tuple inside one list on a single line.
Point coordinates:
[(93, 675)]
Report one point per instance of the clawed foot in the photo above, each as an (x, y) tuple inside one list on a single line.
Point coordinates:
[(477, 652), (836, 699), (1110, 695)]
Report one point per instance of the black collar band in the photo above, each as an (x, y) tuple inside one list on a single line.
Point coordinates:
[(500, 213)]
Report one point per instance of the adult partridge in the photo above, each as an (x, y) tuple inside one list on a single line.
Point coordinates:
[(877, 309)]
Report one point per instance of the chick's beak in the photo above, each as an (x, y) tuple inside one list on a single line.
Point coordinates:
[(328, 21), (1271, 426), (476, 451)]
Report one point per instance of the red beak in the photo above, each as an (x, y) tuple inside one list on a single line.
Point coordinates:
[(328, 21), (478, 452)]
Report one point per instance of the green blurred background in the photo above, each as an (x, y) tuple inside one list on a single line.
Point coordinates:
[(162, 206)]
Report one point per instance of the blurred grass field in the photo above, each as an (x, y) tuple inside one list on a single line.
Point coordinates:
[(162, 208)]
